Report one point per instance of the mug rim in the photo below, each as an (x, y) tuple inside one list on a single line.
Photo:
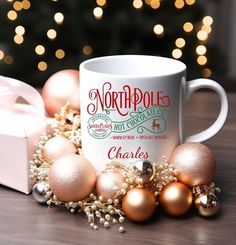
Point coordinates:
[(84, 66)]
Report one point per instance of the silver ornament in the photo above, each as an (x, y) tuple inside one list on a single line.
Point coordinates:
[(39, 192), (207, 204), (143, 171)]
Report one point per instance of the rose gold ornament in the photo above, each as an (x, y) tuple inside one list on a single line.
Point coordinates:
[(72, 178), (176, 198), (57, 147), (138, 204), (108, 184), (61, 87), (195, 164), (207, 204)]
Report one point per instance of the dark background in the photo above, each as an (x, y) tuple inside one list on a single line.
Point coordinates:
[(124, 27)]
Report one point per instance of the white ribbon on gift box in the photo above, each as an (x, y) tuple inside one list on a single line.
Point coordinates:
[(11, 89)]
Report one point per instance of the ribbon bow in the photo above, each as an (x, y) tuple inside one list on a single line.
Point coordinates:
[(11, 89)]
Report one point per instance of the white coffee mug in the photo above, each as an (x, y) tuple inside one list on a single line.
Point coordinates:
[(132, 108)]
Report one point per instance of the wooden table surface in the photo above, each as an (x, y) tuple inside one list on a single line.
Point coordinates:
[(23, 221)]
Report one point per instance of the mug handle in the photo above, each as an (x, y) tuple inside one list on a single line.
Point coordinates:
[(192, 86)]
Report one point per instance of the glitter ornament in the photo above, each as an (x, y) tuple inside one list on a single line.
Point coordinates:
[(108, 184), (56, 147), (176, 199), (195, 163), (207, 204), (61, 87), (138, 204), (39, 192), (71, 178), (143, 171)]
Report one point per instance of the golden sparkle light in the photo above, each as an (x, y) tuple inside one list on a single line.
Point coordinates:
[(201, 50), (12, 15), (60, 53), (39, 49), (18, 39), (188, 27), (20, 30), (87, 50), (8, 59), (1, 54), (207, 29), (179, 4), (158, 29), (190, 2), (202, 35), (51, 33), (207, 20), (202, 60), (17, 5), (206, 72), (180, 42), (177, 53), (101, 2), (98, 12), (59, 18), (42, 66), (155, 4), (26, 4), (137, 4)]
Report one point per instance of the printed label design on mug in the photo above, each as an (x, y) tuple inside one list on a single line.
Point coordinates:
[(142, 113)]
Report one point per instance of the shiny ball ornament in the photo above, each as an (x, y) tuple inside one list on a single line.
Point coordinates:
[(56, 147), (207, 204), (195, 164), (108, 184), (138, 204), (61, 87), (72, 178), (39, 192), (176, 198), (143, 171)]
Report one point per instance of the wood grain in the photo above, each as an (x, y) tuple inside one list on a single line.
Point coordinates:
[(23, 221)]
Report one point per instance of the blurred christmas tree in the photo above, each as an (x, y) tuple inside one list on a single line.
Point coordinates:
[(39, 38)]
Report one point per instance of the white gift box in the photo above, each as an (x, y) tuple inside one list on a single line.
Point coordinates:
[(20, 128)]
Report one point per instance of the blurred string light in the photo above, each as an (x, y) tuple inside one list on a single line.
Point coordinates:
[(98, 12), (42, 66), (59, 18), (60, 53), (158, 29), (177, 53), (1, 54), (137, 4), (26, 4), (206, 72), (180, 42), (101, 3), (12, 15), (201, 50), (154, 4), (39, 50), (87, 50), (17, 5), (201, 30), (52, 34), (179, 4), (8, 59), (187, 26), (190, 2)]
